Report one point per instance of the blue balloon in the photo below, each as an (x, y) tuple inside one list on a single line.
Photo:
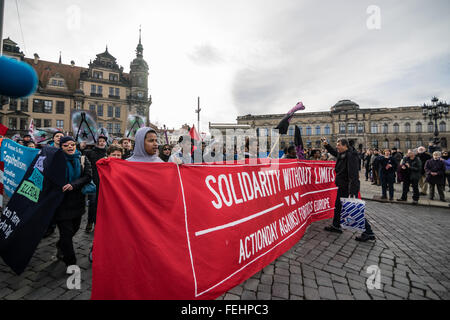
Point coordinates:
[(17, 78)]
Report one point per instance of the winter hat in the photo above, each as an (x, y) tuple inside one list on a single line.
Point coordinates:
[(66, 139)]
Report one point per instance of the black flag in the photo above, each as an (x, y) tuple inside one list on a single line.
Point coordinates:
[(31, 208), (283, 126)]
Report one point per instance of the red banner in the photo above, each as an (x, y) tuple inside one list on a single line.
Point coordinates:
[(195, 231)]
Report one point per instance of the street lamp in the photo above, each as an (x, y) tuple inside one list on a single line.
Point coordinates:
[(437, 110)]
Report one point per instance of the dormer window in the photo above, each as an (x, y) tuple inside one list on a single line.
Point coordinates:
[(113, 77), (57, 81), (97, 75)]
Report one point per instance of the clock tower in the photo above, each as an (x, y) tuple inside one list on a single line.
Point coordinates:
[(139, 98)]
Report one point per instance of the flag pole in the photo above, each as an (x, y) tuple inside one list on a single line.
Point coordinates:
[(274, 146)]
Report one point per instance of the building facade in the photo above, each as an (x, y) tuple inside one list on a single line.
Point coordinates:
[(400, 127), (102, 88)]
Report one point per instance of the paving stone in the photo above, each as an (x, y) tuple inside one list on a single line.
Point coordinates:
[(280, 290), (280, 279), (360, 294), (264, 288), (309, 283), (19, 293), (248, 295), (36, 294), (263, 296), (296, 289), (251, 284), (327, 293), (324, 282), (311, 293), (230, 296), (342, 288), (266, 279), (341, 296)]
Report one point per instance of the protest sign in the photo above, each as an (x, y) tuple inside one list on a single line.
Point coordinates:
[(17, 159), (31, 208), (196, 231)]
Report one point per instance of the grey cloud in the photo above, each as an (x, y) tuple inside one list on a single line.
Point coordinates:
[(205, 54)]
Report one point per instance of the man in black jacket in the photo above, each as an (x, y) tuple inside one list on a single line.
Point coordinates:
[(97, 153), (347, 181)]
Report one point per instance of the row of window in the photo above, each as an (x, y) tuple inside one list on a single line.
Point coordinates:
[(15, 123), (112, 111), (407, 127), (99, 75), (112, 128), (408, 144), (97, 90)]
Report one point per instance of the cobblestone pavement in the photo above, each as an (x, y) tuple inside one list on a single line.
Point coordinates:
[(411, 250)]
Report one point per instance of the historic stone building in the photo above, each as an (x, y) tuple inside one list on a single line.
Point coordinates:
[(103, 88), (401, 127)]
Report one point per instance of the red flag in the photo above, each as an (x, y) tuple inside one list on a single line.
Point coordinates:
[(194, 134), (3, 130)]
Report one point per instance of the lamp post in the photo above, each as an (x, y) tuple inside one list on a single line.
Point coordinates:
[(437, 110)]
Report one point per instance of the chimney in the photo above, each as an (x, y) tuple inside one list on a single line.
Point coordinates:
[(36, 58), (72, 63)]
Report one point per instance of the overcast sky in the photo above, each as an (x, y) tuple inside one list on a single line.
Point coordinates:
[(252, 56)]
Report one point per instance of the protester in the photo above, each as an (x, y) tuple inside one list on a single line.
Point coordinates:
[(367, 158), (446, 159), (83, 148), (166, 151), (146, 146), (97, 153), (26, 139), (424, 157), (68, 214), (375, 165), (30, 144), (435, 172), (55, 140), (388, 167), (411, 167), (184, 153), (324, 157), (114, 151), (347, 181), (127, 147), (290, 153)]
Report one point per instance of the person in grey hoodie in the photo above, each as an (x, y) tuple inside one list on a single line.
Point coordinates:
[(146, 146)]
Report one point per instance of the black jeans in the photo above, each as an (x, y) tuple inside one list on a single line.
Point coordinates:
[(440, 188), (387, 182), (92, 209), (415, 186), (342, 192), (67, 229)]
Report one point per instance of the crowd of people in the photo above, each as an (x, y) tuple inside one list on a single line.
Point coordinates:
[(416, 168), (419, 168)]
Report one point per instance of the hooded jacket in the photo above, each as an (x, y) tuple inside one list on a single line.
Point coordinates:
[(139, 153)]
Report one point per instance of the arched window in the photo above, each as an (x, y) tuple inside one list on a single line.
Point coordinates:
[(351, 128), (430, 127), (342, 128), (408, 144), (418, 127), (397, 143), (291, 131), (385, 128), (318, 132), (386, 144), (308, 131), (327, 130), (375, 143), (419, 142), (442, 126), (360, 127), (407, 127), (396, 128), (373, 128)]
